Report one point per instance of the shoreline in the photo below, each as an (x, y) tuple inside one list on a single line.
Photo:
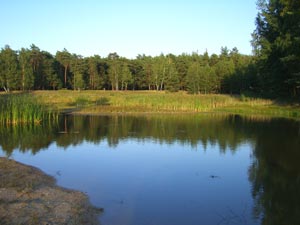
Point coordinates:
[(87, 112), (29, 196), (99, 102)]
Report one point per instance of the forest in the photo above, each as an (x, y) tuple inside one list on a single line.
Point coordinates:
[(273, 70)]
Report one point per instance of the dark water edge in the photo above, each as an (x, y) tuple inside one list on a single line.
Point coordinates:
[(174, 169)]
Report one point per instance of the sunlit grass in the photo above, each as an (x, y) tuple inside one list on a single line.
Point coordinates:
[(34, 107), (22, 108), (106, 102), (141, 101)]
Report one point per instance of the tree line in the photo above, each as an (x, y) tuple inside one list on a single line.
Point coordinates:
[(34, 69), (273, 70)]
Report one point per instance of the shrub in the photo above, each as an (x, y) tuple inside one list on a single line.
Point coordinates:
[(102, 101), (81, 101)]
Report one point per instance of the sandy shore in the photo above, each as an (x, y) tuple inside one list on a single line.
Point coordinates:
[(28, 196)]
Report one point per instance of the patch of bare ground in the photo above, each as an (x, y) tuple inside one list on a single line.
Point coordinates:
[(28, 196)]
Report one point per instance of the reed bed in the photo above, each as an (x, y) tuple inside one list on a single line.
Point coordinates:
[(107, 102), (35, 107), (135, 101), (22, 108)]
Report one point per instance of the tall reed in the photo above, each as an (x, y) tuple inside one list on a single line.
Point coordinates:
[(22, 108), (98, 102)]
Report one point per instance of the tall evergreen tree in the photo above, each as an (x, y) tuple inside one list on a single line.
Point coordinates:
[(50, 74), (172, 82), (192, 78), (126, 77), (95, 72), (9, 72), (27, 77), (77, 67), (276, 42), (114, 70), (64, 58), (36, 60), (182, 67)]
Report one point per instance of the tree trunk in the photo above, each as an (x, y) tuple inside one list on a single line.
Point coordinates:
[(74, 81), (66, 68), (117, 83), (162, 84), (23, 77)]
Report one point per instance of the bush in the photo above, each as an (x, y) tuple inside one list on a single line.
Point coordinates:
[(243, 98), (102, 101), (81, 101)]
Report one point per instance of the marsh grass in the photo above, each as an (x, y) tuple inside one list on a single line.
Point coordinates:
[(81, 102), (22, 108), (98, 102), (146, 101)]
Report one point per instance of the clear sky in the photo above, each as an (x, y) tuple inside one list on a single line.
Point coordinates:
[(128, 27)]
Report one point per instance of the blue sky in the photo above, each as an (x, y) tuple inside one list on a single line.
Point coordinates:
[(128, 27)]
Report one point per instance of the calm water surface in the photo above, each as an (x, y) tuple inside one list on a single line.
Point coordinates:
[(168, 170)]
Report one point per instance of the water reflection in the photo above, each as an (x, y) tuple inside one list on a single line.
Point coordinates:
[(274, 170), (227, 132), (275, 174)]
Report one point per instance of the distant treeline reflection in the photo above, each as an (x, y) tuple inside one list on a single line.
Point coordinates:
[(228, 132), (274, 172)]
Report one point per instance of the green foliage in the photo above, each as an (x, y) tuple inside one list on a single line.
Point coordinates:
[(35, 69), (64, 58), (81, 101), (9, 79), (276, 42), (172, 80), (77, 67), (114, 70), (244, 98), (125, 77), (274, 70), (102, 101), (27, 77), (192, 78), (95, 73), (159, 72), (22, 108), (201, 79)]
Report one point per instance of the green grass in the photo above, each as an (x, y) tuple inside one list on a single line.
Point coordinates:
[(137, 101), (22, 108), (106, 102)]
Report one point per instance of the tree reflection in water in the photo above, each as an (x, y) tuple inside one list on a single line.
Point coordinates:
[(275, 169)]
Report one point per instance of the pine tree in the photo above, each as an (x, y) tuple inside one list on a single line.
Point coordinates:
[(9, 72), (64, 58), (276, 42), (77, 67), (27, 78), (172, 80)]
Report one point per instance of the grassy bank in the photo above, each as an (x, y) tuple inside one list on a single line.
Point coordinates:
[(106, 102), (22, 108)]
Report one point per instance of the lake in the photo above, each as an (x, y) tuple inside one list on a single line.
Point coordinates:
[(170, 169)]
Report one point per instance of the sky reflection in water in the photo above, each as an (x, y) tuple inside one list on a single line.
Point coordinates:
[(146, 180)]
